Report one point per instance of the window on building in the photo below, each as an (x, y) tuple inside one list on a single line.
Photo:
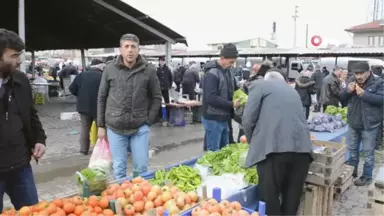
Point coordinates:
[(381, 41), (371, 41)]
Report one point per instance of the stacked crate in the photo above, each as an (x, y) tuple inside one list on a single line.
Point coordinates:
[(344, 181), (376, 194), (323, 172)]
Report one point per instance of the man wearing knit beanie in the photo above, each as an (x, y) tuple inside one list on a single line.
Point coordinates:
[(218, 87)]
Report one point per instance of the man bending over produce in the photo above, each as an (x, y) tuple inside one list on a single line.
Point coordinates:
[(365, 96), (128, 103), (279, 142), (218, 87)]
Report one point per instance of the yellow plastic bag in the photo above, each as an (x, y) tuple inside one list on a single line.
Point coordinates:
[(93, 134)]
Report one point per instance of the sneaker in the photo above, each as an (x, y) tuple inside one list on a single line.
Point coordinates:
[(363, 181)]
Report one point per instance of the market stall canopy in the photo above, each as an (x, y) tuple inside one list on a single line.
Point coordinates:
[(83, 24)]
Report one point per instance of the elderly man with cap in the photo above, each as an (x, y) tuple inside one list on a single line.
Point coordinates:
[(218, 88), (128, 103), (279, 142), (331, 88), (365, 95), (85, 88)]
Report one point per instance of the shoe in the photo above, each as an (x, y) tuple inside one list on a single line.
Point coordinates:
[(354, 175), (363, 181)]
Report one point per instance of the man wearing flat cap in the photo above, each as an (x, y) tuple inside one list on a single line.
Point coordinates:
[(218, 87), (365, 95), (85, 88), (128, 103)]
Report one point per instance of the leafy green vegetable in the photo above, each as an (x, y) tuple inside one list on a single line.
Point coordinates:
[(332, 110), (95, 178), (227, 161), (240, 94), (185, 178)]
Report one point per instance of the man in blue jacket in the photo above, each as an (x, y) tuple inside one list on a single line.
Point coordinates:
[(365, 95), (218, 88)]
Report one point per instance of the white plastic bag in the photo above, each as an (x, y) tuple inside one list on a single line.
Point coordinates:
[(228, 183), (203, 170), (101, 156)]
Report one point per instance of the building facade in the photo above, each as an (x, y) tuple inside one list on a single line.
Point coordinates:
[(246, 44), (368, 35)]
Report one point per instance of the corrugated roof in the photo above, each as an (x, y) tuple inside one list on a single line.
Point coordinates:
[(79, 24), (285, 52), (371, 26)]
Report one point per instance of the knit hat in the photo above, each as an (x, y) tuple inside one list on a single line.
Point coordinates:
[(229, 51), (361, 67)]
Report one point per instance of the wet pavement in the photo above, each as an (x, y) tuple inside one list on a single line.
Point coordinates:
[(55, 174)]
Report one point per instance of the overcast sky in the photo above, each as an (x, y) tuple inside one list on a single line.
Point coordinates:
[(206, 21)]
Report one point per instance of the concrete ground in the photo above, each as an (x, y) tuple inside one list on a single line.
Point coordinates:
[(54, 174)]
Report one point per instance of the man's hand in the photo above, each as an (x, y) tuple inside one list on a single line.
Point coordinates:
[(38, 151), (237, 103), (101, 133), (359, 90), (351, 87)]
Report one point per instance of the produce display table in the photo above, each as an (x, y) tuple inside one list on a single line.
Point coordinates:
[(336, 136), (247, 197)]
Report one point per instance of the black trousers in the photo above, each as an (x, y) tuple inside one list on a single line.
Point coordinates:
[(282, 175), (189, 89), (318, 105), (230, 131), (178, 87)]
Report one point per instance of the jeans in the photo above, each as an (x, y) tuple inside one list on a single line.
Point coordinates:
[(216, 134), (20, 186), (368, 139), (139, 146)]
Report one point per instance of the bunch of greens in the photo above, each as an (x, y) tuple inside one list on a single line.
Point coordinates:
[(95, 178), (227, 161), (185, 178), (332, 110), (240, 94)]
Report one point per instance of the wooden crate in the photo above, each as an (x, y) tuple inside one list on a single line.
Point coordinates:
[(340, 189), (316, 200), (345, 176), (320, 180)]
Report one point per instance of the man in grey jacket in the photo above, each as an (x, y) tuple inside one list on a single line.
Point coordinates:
[(279, 142), (128, 103)]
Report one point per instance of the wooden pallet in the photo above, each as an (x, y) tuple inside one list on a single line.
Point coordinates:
[(340, 189), (316, 200), (345, 176), (376, 193)]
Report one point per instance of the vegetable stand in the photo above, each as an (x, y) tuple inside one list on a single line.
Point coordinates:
[(247, 197)]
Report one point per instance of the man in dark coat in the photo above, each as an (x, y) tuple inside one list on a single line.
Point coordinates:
[(317, 77), (165, 78), (190, 78), (85, 87), (218, 88), (365, 95), (279, 142), (305, 87), (21, 133), (331, 88)]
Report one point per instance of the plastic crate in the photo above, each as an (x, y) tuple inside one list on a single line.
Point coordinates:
[(216, 194), (86, 190)]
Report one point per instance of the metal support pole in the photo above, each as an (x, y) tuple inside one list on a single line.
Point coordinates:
[(33, 64), (306, 36), (22, 31), (83, 59), (168, 53)]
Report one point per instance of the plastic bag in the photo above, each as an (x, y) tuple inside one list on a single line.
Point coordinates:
[(240, 94), (101, 156), (203, 170), (229, 184), (243, 158)]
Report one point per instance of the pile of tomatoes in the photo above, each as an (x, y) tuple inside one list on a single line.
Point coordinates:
[(74, 206), (212, 207), (137, 197)]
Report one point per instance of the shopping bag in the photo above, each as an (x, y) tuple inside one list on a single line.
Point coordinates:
[(93, 134), (101, 156)]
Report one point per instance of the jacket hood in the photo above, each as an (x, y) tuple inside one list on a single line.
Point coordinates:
[(210, 65), (304, 81)]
